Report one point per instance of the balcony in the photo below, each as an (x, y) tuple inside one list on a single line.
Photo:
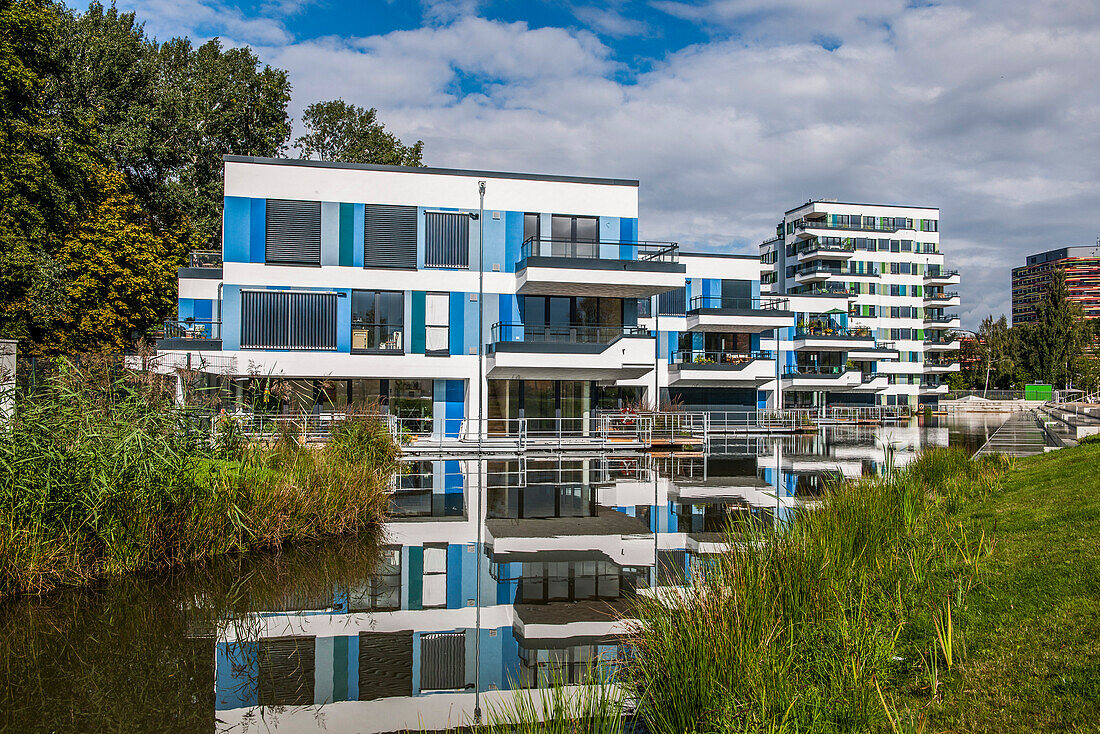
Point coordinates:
[(827, 337), (927, 388), (941, 299), (569, 352), (818, 377), (616, 268), (941, 320), (941, 344), (872, 382), (942, 277), (816, 272), (808, 224), (738, 315), (202, 264), (817, 248), (190, 335), (706, 368), (940, 366)]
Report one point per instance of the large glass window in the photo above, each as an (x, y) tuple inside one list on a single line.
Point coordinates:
[(377, 321), (575, 236)]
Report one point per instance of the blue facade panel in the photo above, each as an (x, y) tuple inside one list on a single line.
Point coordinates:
[(457, 332), (343, 320), (258, 231), (455, 598), (231, 317), (237, 671), (357, 233), (454, 410), (513, 240), (203, 309), (236, 224), (628, 232)]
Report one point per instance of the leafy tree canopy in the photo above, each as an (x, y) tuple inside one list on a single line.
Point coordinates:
[(338, 131)]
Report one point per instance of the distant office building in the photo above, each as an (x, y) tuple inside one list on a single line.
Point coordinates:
[(885, 264), (1082, 268)]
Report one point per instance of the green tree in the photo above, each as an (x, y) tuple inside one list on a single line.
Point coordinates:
[(46, 158), (997, 352), (1050, 345), (338, 131), (120, 273)]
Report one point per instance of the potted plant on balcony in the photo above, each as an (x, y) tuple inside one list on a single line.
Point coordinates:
[(849, 366), (703, 359)]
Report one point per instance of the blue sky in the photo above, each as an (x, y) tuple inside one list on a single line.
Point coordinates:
[(727, 111)]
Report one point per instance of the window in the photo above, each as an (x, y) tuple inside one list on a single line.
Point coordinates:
[(437, 332), (377, 321), (389, 236), (435, 576), (292, 232), (531, 226), (447, 240), (575, 236), (288, 320), (382, 590)]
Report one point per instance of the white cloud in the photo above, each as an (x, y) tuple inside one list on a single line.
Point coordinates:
[(611, 20), (989, 110)]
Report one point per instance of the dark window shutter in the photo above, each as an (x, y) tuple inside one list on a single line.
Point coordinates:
[(288, 320), (293, 235), (389, 236), (442, 661), (447, 240)]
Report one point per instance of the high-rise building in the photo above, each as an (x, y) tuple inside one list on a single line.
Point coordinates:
[(1082, 268), (887, 261)]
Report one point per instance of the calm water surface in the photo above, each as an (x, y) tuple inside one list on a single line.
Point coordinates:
[(493, 575)]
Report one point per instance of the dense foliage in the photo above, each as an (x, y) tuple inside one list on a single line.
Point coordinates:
[(109, 139), (1058, 348), (101, 473)]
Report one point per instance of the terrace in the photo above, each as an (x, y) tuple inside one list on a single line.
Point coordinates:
[(574, 267)]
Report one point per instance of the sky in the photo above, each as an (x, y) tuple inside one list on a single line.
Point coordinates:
[(728, 111)]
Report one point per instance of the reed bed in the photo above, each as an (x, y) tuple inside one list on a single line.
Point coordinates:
[(836, 622), (105, 475)]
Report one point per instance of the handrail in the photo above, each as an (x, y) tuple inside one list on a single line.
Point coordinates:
[(192, 329), (762, 303), (589, 249), (941, 318), (834, 331), (945, 296), (824, 224), (204, 259), (941, 273), (796, 370), (515, 331), (709, 356)]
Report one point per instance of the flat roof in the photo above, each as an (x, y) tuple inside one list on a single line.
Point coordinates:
[(718, 254), (426, 169), (857, 203)]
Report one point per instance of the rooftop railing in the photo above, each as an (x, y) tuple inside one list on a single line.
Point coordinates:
[(647, 251), (512, 331), (204, 259), (708, 356), (763, 303)]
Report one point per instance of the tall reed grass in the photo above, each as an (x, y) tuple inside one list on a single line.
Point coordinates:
[(812, 626), (102, 474)]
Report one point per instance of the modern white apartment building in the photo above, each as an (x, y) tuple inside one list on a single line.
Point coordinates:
[(887, 261)]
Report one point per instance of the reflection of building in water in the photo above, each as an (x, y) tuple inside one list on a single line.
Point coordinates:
[(565, 544)]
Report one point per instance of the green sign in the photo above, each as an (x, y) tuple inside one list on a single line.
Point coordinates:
[(1038, 392)]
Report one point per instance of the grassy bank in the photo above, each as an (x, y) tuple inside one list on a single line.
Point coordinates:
[(101, 477), (953, 595)]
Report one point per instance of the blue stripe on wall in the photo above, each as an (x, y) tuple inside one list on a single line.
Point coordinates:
[(357, 235), (513, 238), (454, 576), (258, 235), (236, 221), (231, 317), (343, 321), (455, 407), (203, 309), (458, 304), (628, 232)]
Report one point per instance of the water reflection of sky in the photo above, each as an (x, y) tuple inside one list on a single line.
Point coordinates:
[(494, 574)]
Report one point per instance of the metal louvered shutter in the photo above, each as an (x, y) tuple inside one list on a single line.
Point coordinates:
[(389, 236), (288, 320), (442, 661), (447, 240), (293, 232)]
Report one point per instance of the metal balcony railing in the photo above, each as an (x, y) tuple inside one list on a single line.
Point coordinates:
[(818, 245), (708, 356), (764, 303), (192, 329), (204, 259), (830, 330), (946, 296), (941, 273), (942, 318), (648, 251), (503, 331), (814, 369), (824, 224)]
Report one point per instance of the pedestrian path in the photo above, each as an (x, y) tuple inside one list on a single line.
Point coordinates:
[(1020, 435)]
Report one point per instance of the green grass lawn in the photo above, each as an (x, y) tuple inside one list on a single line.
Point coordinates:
[(1032, 629)]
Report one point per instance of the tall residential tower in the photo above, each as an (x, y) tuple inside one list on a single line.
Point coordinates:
[(1082, 268), (887, 260)]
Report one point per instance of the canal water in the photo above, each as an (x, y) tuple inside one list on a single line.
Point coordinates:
[(495, 574)]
